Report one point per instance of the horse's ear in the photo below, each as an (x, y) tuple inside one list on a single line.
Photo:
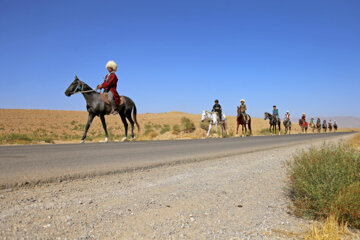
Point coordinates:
[(76, 77)]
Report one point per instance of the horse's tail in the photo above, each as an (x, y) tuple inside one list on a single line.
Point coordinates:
[(134, 113)]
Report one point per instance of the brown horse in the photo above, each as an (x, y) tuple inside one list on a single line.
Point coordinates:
[(304, 126), (330, 127), (241, 120), (335, 126), (312, 126), (318, 126)]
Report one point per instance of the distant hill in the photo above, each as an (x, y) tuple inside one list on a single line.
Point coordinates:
[(344, 121)]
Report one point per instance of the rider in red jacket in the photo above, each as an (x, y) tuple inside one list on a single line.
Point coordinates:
[(110, 84)]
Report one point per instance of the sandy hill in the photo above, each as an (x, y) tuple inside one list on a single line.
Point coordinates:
[(32, 126)]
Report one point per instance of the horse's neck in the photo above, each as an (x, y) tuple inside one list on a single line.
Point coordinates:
[(87, 95)]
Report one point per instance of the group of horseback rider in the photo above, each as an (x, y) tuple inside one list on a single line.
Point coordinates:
[(110, 83), (217, 108)]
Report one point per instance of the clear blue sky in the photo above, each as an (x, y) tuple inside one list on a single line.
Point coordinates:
[(303, 56)]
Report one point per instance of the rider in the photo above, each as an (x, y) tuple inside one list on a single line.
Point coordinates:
[(287, 117), (318, 121), (303, 117), (312, 120), (324, 124), (217, 108), (243, 109), (110, 84), (276, 113)]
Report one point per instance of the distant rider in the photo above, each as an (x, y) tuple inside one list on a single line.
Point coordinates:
[(276, 113), (312, 121), (303, 118), (217, 108), (243, 110), (110, 84), (318, 121), (287, 117)]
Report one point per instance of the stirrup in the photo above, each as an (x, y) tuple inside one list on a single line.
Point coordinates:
[(114, 112)]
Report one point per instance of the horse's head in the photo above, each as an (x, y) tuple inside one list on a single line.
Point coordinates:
[(74, 87), (203, 116), (266, 115), (238, 110)]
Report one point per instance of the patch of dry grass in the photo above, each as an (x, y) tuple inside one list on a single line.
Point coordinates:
[(355, 141), (330, 229)]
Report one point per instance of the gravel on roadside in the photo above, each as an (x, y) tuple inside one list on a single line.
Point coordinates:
[(239, 197)]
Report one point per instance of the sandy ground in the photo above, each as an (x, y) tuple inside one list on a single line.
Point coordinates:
[(241, 197), (68, 126)]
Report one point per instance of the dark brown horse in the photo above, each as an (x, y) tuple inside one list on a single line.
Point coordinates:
[(324, 126), (273, 121), (335, 126), (241, 120), (304, 125)]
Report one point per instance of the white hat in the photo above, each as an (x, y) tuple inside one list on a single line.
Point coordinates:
[(303, 113), (287, 111), (111, 64), (242, 100)]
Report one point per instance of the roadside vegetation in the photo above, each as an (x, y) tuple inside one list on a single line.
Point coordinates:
[(325, 185)]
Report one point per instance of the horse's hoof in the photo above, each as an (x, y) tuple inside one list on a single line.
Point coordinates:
[(123, 139), (133, 138), (106, 140), (82, 141)]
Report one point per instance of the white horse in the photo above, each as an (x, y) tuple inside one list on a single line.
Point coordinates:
[(214, 120)]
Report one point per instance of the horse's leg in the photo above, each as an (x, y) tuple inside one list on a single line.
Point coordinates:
[(249, 125), (279, 125), (123, 119), (210, 125), (102, 117), (226, 127), (90, 119), (128, 116), (237, 128)]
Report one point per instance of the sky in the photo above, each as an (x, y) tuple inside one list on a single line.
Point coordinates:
[(181, 55)]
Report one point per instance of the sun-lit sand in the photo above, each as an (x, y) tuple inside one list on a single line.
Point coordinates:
[(32, 126)]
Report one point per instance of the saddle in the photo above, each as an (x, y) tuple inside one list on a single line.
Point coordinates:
[(104, 98)]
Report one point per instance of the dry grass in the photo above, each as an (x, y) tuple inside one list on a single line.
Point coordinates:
[(355, 141), (68, 126), (330, 229)]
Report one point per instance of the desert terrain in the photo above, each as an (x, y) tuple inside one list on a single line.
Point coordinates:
[(19, 126)]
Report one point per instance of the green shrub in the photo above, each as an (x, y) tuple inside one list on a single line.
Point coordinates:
[(326, 180), (165, 129), (264, 131), (176, 129), (204, 125), (347, 205), (187, 125)]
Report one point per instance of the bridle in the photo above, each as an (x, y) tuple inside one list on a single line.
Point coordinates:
[(80, 86)]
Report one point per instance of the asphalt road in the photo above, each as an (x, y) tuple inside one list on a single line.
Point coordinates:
[(31, 164)]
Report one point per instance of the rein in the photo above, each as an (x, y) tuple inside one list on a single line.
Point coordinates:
[(82, 88)]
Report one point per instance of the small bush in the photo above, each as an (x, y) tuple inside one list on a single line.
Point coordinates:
[(176, 129), (153, 134), (204, 125), (73, 122), (165, 129), (327, 180), (265, 131), (187, 125)]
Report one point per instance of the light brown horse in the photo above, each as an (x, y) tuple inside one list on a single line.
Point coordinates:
[(241, 120)]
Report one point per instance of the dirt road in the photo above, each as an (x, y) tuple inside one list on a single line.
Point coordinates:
[(235, 197), (29, 165)]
